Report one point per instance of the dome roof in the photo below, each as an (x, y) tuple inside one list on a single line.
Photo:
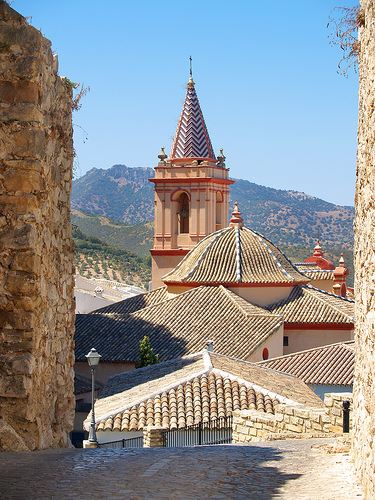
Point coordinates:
[(235, 255)]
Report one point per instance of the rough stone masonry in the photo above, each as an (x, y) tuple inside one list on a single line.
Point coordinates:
[(364, 387), (36, 253)]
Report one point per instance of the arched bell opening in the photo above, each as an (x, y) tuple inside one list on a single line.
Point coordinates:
[(181, 203), (183, 213)]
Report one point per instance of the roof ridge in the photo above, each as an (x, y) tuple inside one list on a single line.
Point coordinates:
[(266, 312), (238, 254), (98, 311), (152, 394), (263, 240), (309, 290), (228, 293), (207, 359), (256, 387), (284, 271), (331, 294)]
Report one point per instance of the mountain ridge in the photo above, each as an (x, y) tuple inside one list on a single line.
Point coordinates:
[(124, 194)]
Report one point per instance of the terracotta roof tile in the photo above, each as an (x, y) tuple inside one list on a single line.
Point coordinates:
[(196, 388), (288, 387), (127, 306), (135, 386), (302, 266), (235, 255), (214, 397), (322, 274), (331, 364), (185, 323), (179, 325), (314, 272), (307, 304)]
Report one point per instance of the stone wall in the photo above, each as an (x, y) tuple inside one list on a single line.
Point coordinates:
[(364, 385), (153, 436), (290, 421), (36, 253), (252, 425)]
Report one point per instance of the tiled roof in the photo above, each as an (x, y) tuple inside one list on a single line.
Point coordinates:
[(127, 306), (313, 271), (179, 325), (204, 398), (322, 274), (235, 255), (103, 331), (287, 386), (191, 139), (307, 304), (331, 364), (195, 388), (306, 265)]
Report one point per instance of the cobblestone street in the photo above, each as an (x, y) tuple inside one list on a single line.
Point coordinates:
[(278, 469)]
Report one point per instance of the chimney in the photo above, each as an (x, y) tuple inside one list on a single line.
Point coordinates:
[(210, 345), (339, 278)]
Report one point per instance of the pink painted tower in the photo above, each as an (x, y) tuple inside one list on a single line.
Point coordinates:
[(191, 190), (339, 276), (318, 259)]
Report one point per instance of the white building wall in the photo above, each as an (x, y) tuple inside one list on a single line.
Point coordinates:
[(262, 296), (274, 344), (300, 340)]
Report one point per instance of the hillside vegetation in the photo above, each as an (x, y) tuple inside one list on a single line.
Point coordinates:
[(135, 239), (96, 259)]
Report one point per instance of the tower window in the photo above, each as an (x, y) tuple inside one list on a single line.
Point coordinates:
[(285, 341), (183, 213), (265, 353), (219, 210)]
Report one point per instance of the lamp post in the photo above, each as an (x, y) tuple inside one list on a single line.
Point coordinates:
[(93, 358)]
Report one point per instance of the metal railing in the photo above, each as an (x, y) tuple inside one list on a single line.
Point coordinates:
[(136, 442), (217, 431)]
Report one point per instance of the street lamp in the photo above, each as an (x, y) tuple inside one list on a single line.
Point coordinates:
[(93, 358)]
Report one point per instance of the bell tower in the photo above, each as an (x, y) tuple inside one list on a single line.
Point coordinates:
[(191, 190)]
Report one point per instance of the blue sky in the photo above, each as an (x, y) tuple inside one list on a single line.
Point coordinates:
[(265, 74)]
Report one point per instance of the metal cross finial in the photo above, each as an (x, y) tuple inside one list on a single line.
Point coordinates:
[(191, 67)]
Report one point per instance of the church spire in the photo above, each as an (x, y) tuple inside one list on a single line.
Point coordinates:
[(192, 140)]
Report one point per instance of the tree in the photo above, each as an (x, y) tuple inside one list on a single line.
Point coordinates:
[(146, 353)]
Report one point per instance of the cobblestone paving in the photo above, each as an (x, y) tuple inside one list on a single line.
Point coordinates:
[(283, 469)]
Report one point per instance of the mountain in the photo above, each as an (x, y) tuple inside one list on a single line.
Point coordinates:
[(288, 218), (121, 193)]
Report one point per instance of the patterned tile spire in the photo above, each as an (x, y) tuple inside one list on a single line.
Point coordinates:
[(192, 139)]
